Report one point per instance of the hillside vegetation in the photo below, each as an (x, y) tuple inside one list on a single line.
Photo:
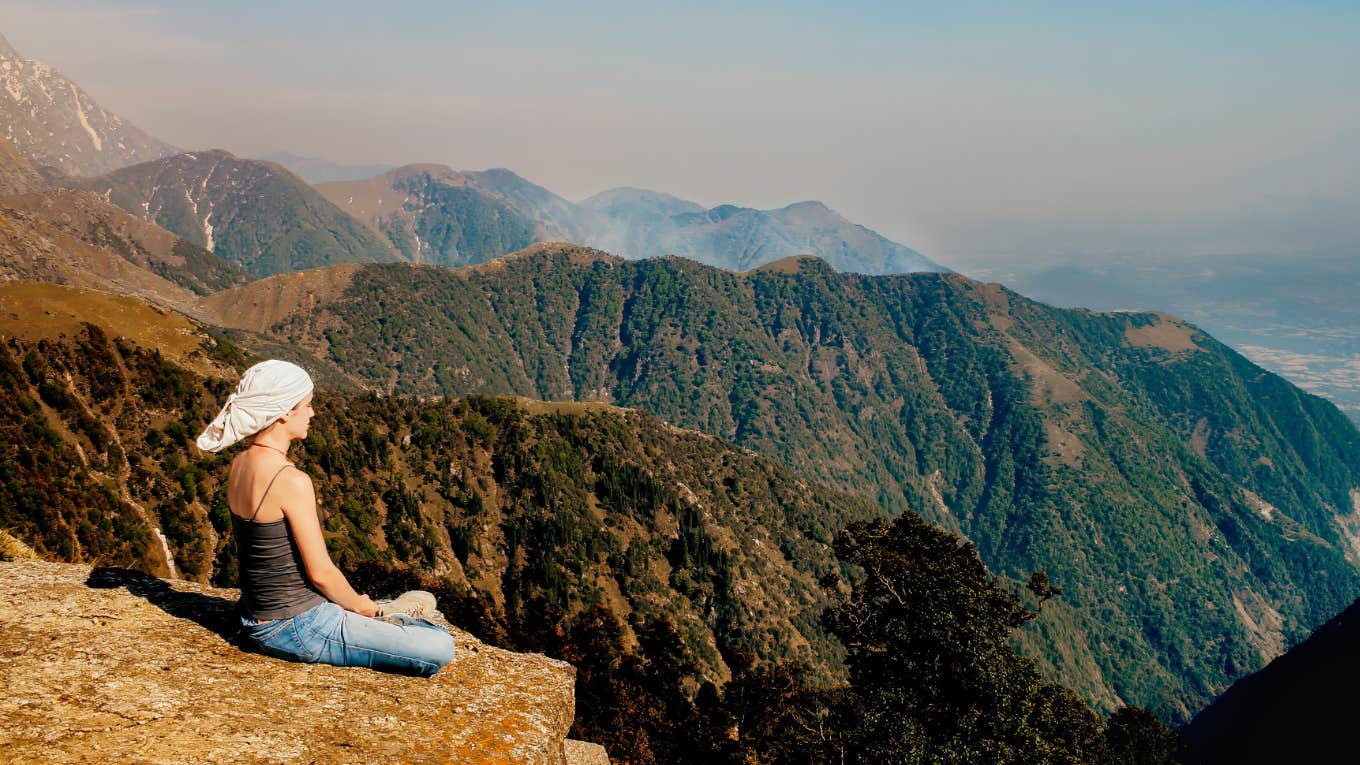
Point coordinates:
[(1195, 509)]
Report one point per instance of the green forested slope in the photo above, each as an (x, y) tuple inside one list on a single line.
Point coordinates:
[(453, 225), (1195, 509), (254, 214)]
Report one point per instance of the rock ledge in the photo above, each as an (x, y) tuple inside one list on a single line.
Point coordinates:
[(117, 666)]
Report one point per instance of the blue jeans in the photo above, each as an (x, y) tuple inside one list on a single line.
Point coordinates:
[(328, 634)]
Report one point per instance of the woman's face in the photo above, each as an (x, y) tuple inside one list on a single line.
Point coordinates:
[(301, 417)]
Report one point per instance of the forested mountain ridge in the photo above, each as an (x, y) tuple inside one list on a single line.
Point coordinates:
[(431, 214), (1195, 509), (253, 214)]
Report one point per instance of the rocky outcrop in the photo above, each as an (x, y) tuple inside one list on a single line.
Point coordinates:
[(16, 174), (113, 665)]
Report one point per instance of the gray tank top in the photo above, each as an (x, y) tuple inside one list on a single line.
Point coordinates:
[(273, 583)]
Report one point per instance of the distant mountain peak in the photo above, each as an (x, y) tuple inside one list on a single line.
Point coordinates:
[(809, 205), (814, 210), (501, 174), (431, 169), (7, 50), (633, 191), (632, 201), (575, 253), (52, 122), (796, 264)]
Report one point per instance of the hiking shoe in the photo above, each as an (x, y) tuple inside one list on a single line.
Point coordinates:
[(417, 603)]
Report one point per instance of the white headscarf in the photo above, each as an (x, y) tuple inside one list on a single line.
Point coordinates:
[(267, 391)]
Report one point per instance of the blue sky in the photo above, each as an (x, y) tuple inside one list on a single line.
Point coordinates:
[(977, 133)]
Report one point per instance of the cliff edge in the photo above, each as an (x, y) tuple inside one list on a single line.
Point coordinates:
[(112, 665)]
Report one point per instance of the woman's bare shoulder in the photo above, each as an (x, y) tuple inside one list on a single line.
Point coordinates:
[(294, 481)]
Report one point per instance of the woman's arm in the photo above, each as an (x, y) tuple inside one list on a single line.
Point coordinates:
[(299, 505)]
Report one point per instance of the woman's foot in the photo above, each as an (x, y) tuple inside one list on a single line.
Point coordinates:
[(417, 603)]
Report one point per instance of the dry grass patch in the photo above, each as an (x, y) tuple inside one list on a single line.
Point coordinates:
[(1167, 333), (259, 305)]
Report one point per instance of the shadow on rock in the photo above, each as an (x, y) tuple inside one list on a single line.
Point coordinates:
[(213, 613)]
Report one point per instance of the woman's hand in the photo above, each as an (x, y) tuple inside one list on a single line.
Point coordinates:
[(366, 606)]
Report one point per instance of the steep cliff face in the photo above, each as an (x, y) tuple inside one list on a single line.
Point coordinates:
[(116, 666)]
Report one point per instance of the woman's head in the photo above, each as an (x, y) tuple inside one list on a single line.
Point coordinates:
[(294, 423), (269, 392)]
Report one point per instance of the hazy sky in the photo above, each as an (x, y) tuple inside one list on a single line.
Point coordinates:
[(974, 133)]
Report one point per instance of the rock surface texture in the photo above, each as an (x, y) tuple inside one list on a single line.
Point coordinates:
[(111, 665)]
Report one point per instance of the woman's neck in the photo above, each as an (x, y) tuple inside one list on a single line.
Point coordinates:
[(273, 444)]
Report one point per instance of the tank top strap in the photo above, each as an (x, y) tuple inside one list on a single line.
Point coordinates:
[(267, 488)]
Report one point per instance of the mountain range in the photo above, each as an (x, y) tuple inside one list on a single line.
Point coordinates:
[(266, 220), (434, 214)]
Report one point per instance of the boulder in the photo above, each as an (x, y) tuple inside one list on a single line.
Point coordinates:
[(112, 665)]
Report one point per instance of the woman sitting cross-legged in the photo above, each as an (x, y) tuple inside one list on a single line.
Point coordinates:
[(295, 603)]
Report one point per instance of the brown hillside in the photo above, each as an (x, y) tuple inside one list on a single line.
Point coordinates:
[(35, 248), (36, 311), (262, 304), (78, 231), (371, 199), (79, 211), (790, 265)]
